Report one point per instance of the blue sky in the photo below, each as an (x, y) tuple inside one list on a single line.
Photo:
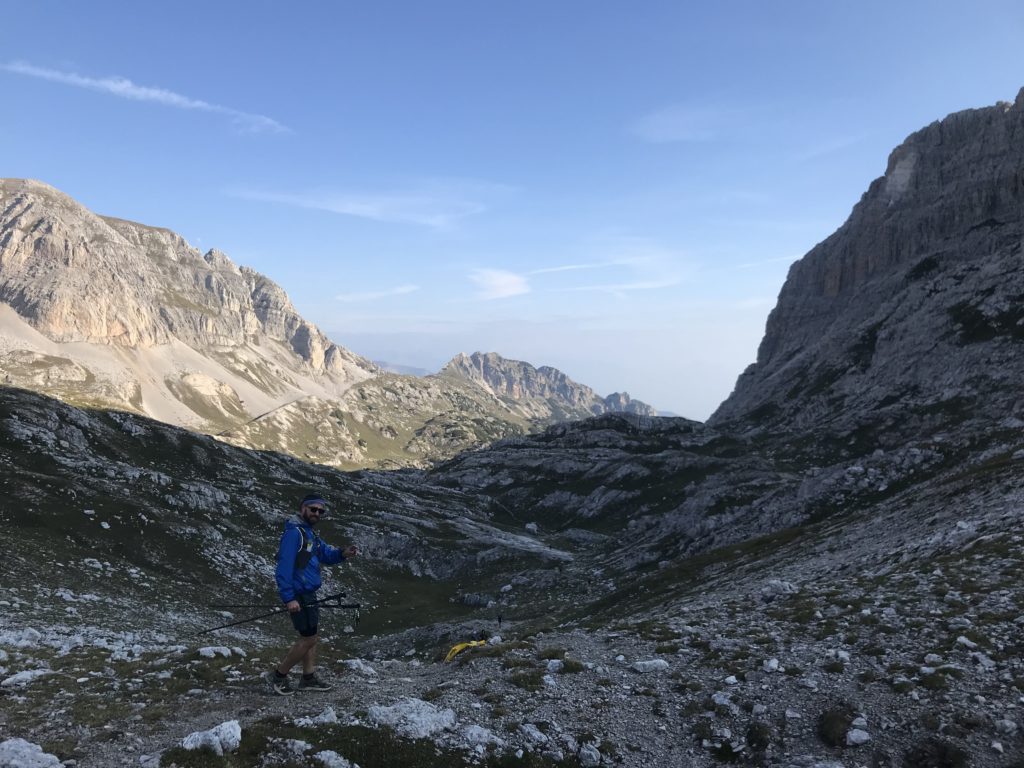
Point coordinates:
[(613, 189)]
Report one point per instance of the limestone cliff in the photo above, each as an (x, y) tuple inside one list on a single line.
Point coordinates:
[(104, 312), (544, 393), (915, 304), (76, 276)]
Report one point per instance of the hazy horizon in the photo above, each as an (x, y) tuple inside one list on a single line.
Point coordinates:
[(615, 192)]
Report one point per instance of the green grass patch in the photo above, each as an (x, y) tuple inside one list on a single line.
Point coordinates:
[(529, 680), (369, 747)]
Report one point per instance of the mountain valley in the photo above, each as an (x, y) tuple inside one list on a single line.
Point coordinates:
[(823, 575)]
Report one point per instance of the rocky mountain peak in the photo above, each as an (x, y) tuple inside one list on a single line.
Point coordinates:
[(76, 276), (881, 312), (539, 389)]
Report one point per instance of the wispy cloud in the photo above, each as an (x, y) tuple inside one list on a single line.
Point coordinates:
[(572, 268), (502, 283), (683, 123), (646, 268), (499, 283), (630, 286), (399, 290), (829, 147), (126, 89), (439, 210), (641, 265)]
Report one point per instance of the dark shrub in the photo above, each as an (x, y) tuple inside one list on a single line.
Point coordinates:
[(834, 723), (935, 753)]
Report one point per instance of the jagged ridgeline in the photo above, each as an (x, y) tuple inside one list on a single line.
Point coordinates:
[(827, 572), (101, 311)]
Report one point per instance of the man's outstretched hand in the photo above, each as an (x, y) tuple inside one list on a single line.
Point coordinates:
[(350, 551)]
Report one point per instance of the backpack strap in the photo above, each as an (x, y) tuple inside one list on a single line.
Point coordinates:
[(306, 548)]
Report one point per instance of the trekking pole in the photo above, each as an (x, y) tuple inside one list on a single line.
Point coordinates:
[(322, 601), (326, 599), (242, 621)]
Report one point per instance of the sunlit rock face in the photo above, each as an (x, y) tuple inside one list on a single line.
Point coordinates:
[(76, 276), (105, 312), (544, 393)]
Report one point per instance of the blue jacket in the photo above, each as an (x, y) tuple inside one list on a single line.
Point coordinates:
[(291, 582)]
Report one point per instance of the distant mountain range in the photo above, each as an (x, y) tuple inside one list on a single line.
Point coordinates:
[(545, 394), (106, 312), (405, 370)]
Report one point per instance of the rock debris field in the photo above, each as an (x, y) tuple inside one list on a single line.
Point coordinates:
[(904, 656)]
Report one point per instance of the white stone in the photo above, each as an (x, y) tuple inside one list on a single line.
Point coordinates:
[(555, 665), (982, 660), (654, 665), (779, 587), (855, 737), (533, 734), (477, 735), (331, 759), (966, 643), (731, 680), (770, 665), (589, 756), (18, 753), (22, 679), (360, 667), (413, 718), (225, 737), (325, 717), (296, 746), (212, 651)]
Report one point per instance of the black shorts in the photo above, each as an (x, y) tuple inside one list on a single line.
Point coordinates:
[(307, 619)]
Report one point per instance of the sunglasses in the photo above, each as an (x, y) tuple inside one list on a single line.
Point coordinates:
[(318, 510)]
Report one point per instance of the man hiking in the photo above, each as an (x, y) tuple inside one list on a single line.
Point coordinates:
[(298, 578)]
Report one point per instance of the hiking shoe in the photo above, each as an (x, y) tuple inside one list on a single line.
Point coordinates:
[(278, 685), (313, 683)]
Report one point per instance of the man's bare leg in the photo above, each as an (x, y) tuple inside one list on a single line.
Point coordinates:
[(300, 650), (309, 660)]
